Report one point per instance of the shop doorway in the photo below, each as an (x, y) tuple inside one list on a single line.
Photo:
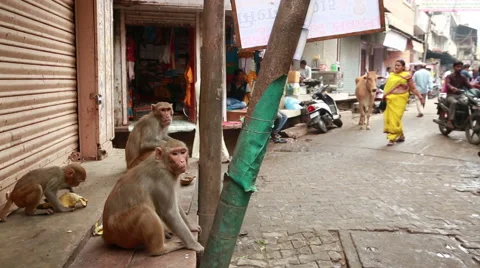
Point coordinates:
[(160, 67)]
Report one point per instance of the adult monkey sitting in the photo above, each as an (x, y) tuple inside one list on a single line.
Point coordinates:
[(149, 132), (145, 198)]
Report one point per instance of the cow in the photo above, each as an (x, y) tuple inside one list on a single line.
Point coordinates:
[(366, 87)]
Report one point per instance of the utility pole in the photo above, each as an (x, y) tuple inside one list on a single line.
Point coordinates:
[(239, 181), (429, 27), (210, 121)]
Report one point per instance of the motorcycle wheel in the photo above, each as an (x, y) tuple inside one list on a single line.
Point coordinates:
[(472, 136), (338, 122), (443, 129), (320, 126)]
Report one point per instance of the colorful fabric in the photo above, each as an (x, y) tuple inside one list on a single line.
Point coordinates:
[(189, 87), (396, 104)]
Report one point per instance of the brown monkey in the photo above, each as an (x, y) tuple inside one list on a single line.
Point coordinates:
[(149, 132), (145, 198), (140, 158), (30, 189)]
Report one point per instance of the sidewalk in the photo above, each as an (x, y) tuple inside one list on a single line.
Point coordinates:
[(54, 241)]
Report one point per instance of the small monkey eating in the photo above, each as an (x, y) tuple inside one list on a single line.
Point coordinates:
[(149, 132), (145, 198), (30, 189)]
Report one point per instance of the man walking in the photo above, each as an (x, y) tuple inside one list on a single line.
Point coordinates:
[(424, 84)]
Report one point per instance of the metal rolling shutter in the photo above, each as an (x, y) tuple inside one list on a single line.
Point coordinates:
[(350, 61), (38, 95)]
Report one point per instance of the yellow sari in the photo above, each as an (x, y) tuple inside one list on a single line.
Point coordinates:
[(396, 103)]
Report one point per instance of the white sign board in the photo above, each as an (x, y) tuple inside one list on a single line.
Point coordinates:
[(448, 5), (331, 19)]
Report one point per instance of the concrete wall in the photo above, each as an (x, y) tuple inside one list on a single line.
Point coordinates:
[(402, 15), (406, 55), (325, 50)]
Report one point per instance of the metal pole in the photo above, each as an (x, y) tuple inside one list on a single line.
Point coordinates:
[(251, 147), (210, 121)]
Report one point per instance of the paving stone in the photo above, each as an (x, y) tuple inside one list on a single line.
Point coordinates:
[(285, 261), (326, 247), (322, 256), (304, 250), (326, 264), (335, 256), (314, 241), (296, 237), (252, 263), (306, 265), (298, 244), (288, 253), (274, 255)]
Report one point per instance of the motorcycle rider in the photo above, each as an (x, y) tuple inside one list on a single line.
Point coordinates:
[(454, 83)]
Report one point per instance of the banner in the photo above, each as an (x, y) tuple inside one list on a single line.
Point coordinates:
[(331, 19)]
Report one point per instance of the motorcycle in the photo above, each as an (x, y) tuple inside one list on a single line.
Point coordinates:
[(322, 112), (378, 99), (467, 115)]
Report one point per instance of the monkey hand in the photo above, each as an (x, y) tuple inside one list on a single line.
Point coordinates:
[(196, 228)]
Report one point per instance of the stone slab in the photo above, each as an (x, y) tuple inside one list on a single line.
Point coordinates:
[(349, 249), (296, 132), (400, 249)]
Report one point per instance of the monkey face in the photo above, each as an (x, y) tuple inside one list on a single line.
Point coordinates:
[(178, 160), (166, 116), (164, 111)]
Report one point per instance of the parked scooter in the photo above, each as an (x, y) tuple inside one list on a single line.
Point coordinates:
[(322, 111), (467, 115)]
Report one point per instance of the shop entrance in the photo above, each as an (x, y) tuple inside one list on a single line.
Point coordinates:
[(160, 67)]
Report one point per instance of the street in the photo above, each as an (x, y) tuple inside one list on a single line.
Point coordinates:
[(346, 198)]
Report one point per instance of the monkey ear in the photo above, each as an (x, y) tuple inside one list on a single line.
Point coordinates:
[(152, 108), (70, 172), (158, 153)]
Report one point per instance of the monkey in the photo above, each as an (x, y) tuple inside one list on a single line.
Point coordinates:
[(31, 187), (145, 198), (140, 158), (149, 132)]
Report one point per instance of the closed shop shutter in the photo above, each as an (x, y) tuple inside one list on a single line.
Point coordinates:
[(350, 61), (38, 95)]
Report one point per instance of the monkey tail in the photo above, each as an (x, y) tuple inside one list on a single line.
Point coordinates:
[(6, 208)]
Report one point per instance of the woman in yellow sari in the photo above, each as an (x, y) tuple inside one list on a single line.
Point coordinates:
[(396, 94)]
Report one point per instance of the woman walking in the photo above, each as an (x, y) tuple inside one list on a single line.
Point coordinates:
[(396, 94)]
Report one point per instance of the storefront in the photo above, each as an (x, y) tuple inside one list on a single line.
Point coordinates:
[(156, 59)]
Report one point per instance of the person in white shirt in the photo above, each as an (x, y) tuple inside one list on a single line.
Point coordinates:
[(305, 71)]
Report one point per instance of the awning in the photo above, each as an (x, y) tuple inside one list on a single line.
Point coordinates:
[(445, 58), (395, 40), (417, 46)]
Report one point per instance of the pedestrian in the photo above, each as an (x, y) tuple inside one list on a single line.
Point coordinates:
[(423, 82), (387, 72), (396, 94), (466, 72), (454, 84), (278, 126)]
